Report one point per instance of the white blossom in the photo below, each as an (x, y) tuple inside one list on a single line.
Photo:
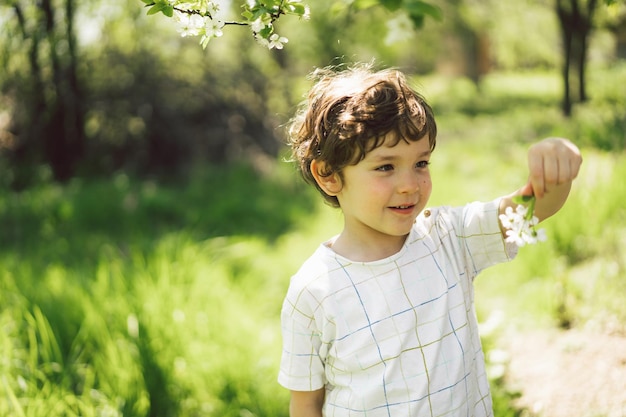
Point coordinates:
[(262, 41), (520, 225), (189, 24), (212, 8), (214, 28), (276, 41), (258, 25)]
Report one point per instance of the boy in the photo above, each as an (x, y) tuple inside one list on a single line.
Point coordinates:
[(380, 320)]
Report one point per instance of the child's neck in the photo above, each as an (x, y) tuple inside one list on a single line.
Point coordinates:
[(367, 250)]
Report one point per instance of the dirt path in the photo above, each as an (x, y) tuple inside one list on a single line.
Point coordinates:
[(573, 373)]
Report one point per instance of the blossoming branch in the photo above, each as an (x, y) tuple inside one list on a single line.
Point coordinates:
[(203, 18)]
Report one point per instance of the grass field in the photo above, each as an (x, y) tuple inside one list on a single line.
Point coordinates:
[(132, 298)]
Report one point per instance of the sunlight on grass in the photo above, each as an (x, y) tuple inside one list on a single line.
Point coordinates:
[(131, 298)]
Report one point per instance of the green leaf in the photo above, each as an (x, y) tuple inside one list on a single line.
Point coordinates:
[(417, 19), (297, 8), (155, 9), (266, 32), (421, 8), (168, 10), (148, 2), (391, 5), (257, 12)]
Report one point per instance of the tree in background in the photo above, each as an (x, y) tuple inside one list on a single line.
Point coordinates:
[(131, 102), (93, 87), (577, 20), (48, 105), (204, 18), (576, 23), (128, 99)]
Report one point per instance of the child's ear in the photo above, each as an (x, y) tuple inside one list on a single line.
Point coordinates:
[(330, 184)]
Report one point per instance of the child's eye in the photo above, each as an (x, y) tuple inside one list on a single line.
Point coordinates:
[(385, 168), (423, 164)]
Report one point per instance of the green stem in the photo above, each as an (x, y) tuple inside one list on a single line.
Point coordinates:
[(531, 208)]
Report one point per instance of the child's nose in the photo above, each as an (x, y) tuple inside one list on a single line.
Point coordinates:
[(409, 183)]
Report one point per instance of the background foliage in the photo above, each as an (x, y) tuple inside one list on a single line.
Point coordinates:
[(91, 88), (148, 281)]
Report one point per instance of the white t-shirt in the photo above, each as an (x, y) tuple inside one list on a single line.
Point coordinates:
[(396, 337)]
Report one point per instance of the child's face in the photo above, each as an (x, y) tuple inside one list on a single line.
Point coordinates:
[(382, 194)]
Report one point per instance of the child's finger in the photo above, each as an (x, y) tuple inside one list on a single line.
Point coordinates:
[(565, 171), (552, 171), (574, 165), (570, 159), (527, 190), (536, 175)]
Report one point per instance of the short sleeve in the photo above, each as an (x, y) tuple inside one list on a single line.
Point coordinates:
[(478, 229), (301, 367)]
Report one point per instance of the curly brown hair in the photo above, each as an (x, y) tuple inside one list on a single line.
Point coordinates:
[(349, 112)]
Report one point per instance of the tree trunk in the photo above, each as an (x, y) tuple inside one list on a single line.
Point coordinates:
[(576, 26), (50, 125), (566, 34), (581, 68), (27, 151), (63, 140)]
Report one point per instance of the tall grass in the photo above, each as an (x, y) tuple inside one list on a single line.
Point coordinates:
[(163, 306), (131, 298)]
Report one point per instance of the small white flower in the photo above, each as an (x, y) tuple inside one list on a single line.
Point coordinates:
[(214, 28), (212, 8), (189, 24), (507, 218), (514, 236), (257, 26), (541, 235), (262, 41), (276, 41), (521, 226)]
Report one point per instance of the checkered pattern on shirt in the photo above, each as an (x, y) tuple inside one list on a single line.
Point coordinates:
[(396, 337)]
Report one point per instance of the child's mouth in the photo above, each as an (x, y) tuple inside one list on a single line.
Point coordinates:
[(404, 207)]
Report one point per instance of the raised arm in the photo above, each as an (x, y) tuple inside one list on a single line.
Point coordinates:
[(553, 164)]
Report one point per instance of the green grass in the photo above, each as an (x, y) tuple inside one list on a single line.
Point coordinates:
[(165, 305), (132, 298)]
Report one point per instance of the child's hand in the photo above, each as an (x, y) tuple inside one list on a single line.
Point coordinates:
[(551, 162)]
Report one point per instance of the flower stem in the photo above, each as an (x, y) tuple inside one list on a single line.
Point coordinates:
[(531, 208)]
